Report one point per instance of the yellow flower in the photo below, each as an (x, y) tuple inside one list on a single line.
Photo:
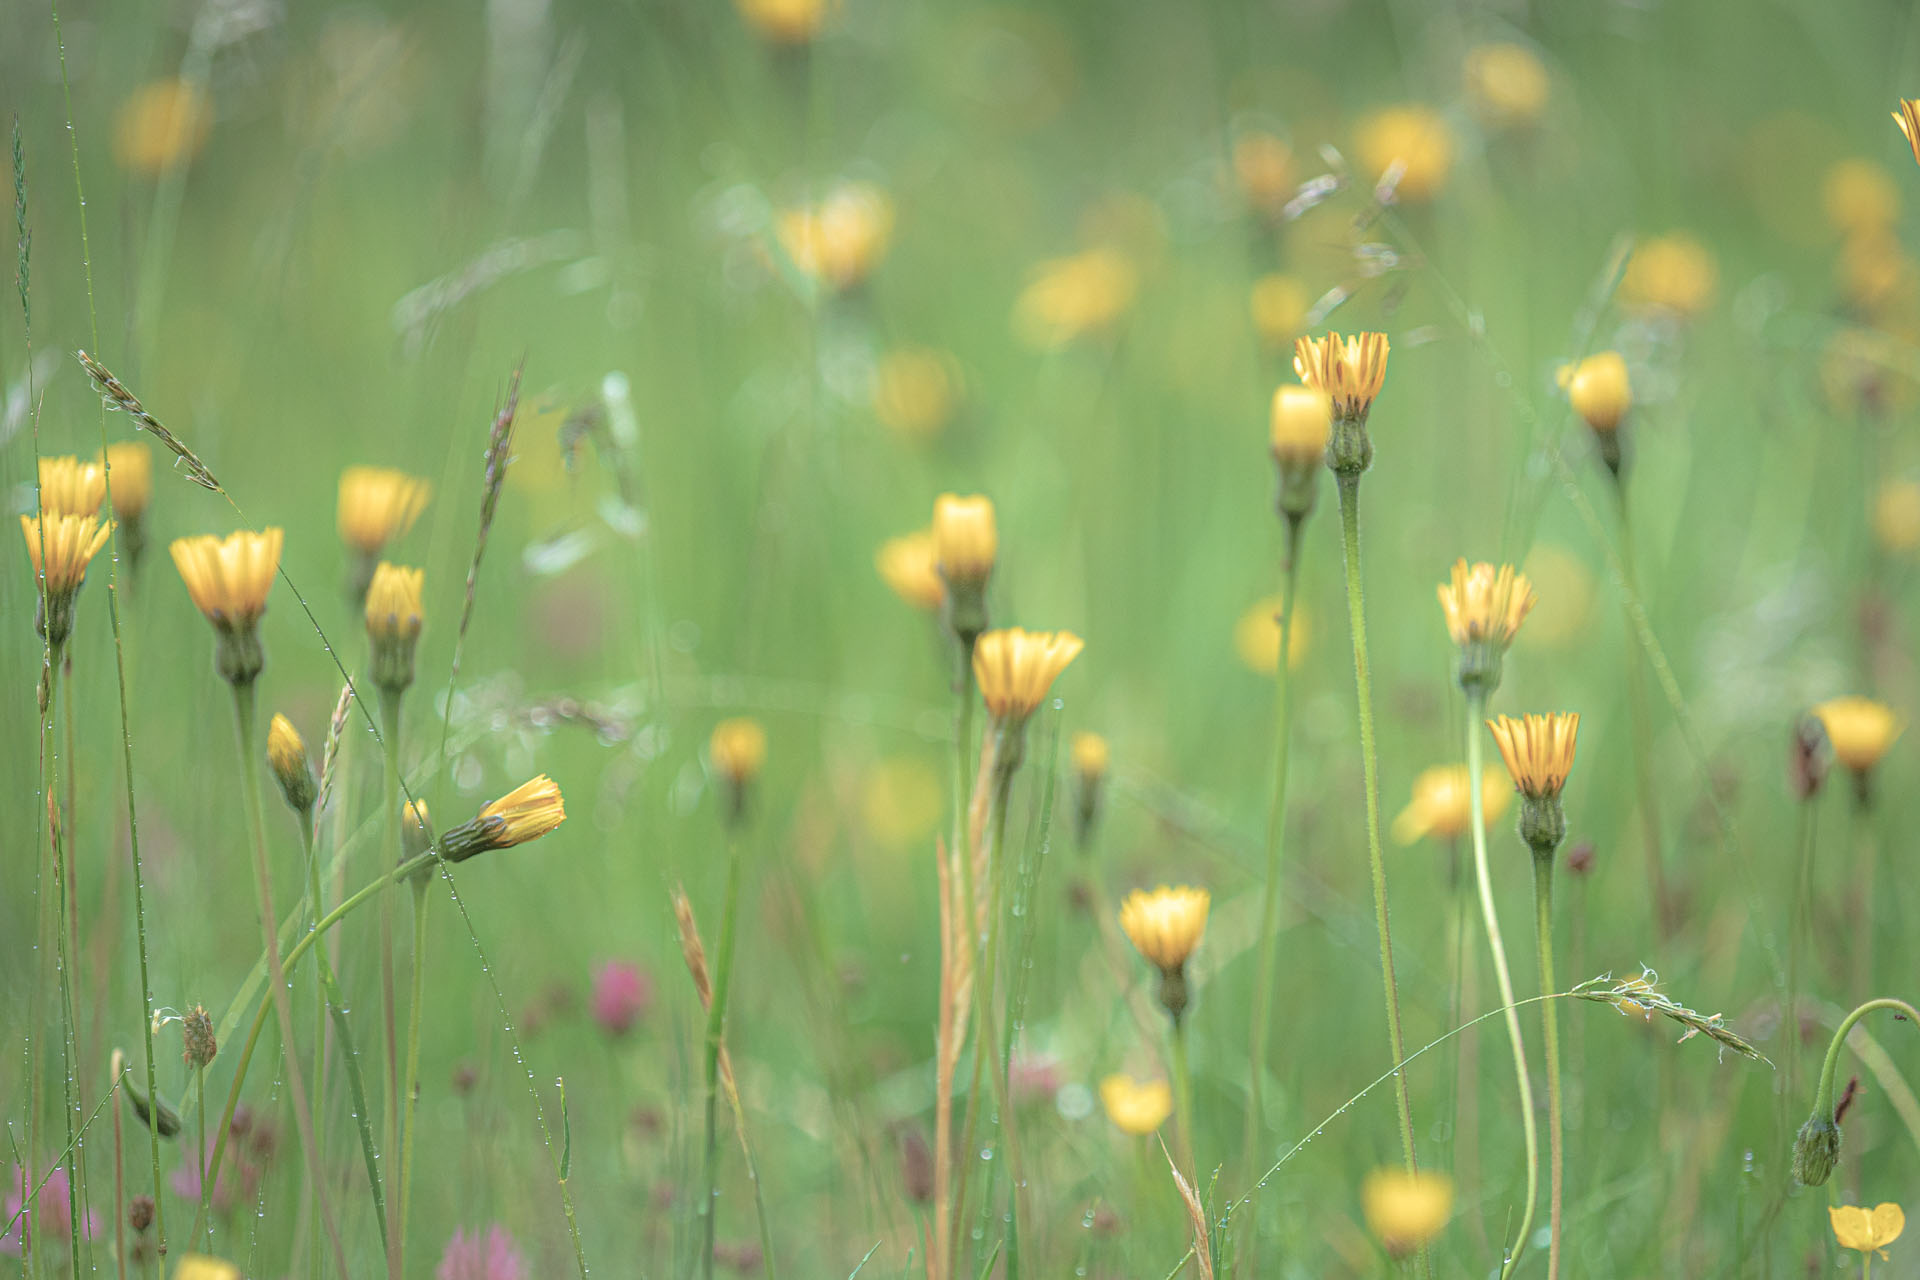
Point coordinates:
[(907, 564), (1672, 273), (1136, 1107), (1567, 611), (915, 391), (1908, 118), (738, 749), (1068, 298), (71, 542), (162, 126), (1896, 516), (1300, 424), (416, 827), (1855, 1228), (132, 464), (1859, 198), (1090, 756), (965, 539), (1860, 730), (1440, 806), (901, 802), (789, 22), (1256, 637), (287, 757), (1484, 605), (1415, 139), (70, 487), (393, 603), (1279, 305), (229, 577), (377, 505), (197, 1266), (1166, 925), (1263, 165), (1406, 1210), (1016, 669), (839, 241), (525, 813), (1538, 750), (1350, 371), (1506, 85), (1599, 390)]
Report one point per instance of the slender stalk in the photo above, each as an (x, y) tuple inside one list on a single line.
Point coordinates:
[(411, 1096), (1259, 1016), (305, 822), (1476, 765), (1823, 1096), (1349, 485), (1182, 1095), (63, 959), (968, 927), (716, 1033), (1642, 720), (200, 1154), (985, 985), (390, 823), (1543, 924), (119, 1175), (1866, 862), (243, 710), (1799, 896)]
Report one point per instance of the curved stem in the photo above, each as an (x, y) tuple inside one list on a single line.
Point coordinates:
[(410, 1098), (1476, 712), (1349, 485), (1823, 1096), (716, 1033), (1543, 925)]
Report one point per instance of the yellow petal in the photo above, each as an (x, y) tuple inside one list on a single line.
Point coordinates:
[(1888, 1222), (1852, 1226)]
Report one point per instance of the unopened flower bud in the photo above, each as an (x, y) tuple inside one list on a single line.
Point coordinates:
[(287, 756), (1816, 1150)]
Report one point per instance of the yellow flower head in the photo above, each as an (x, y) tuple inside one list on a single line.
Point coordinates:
[(1856, 1228), (377, 505), (965, 539), (1440, 807), (1090, 756), (393, 604), (915, 392), (161, 127), (738, 749), (70, 543), (1256, 637), (788, 22), (287, 757), (1166, 925), (907, 564), (1068, 298), (1485, 605), (229, 577), (1506, 85), (1279, 305), (1263, 166), (1908, 118), (1406, 1210), (70, 487), (1136, 1107), (1415, 140), (1349, 371), (1860, 730), (1859, 198), (132, 464), (1672, 273), (839, 241), (1599, 390), (1538, 750), (1896, 516), (416, 827), (1016, 669), (1300, 424), (197, 1266), (525, 813)]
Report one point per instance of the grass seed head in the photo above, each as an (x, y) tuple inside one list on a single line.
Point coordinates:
[(196, 1032)]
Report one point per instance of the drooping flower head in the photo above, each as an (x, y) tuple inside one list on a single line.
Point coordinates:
[(287, 757), (228, 579), (70, 487), (1016, 669), (525, 813), (1908, 118), (1406, 1210), (1136, 1107), (394, 619), (908, 565), (1855, 1227), (1165, 926), (60, 548), (1442, 808), (1484, 607), (1538, 750)]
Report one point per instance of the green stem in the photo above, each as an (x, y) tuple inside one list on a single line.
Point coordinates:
[(390, 824), (985, 984), (1476, 766), (1258, 1017), (1642, 720), (716, 1034), (1799, 898), (200, 1154), (411, 1096), (1823, 1096), (1543, 924), (1349, 485), (243, 710), (63, 959), (968, 926), (1182, 1096), (305, 821)]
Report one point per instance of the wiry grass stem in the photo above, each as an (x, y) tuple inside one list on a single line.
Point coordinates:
[(1549, 1017)]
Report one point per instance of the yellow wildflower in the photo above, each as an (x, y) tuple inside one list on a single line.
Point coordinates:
[(1413, 139), (1256, 637), (1406, 1210), (1855, 1228), (162, 126), (1350, 371), (1069, 298), (1016, 669), (1440, 807), (1136, 1107), (1672, 273), (70, 487), (907, 564), (1166, 925), (1860, 730), (1538, 751), (915, 391), (1506, 84)]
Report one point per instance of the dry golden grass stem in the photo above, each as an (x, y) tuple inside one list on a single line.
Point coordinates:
[(695, 953), (1196, 1216), (336, 727), (956, 992)]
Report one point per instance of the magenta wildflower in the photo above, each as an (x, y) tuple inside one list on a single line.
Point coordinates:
[(621, 995), (51, 1208), (474, 1257)]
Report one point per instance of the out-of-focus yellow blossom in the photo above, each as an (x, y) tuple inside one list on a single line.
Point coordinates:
[(1859, 198), (1279, 305), (1263, 166), (788, 22), (915, 391), (1070, 298), (1506, 83), (1136, 1107), (901, 802), (1166, 925), (1599, 389), (1413, 137), (1859, 729), (162, 126), (1673, 273), (1406, 1210), (1440, 808), (1869, 1232), (908, 564), (1565, 613), (839, 241), (1896, 516), (1256, 637)]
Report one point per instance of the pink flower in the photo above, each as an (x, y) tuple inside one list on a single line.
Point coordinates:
[(237, 1180), (621, 995), (472, 1257), (51, 1207)]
